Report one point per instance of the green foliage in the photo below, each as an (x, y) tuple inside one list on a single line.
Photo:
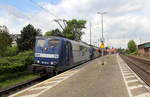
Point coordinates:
[(134, 53), (27, 40), (10, 51), (73, 30), (16, 63), (55, 32), (5, 40), (29, 60), (13, 69), (132, 47), (121, 50), (10, 79)]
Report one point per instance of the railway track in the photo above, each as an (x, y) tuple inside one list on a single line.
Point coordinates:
[(13, 89), (140, 66)]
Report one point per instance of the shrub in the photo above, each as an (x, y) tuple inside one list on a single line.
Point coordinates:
[(16, 63), (29, 60), (10, 51), (134, 53), (4, 61)]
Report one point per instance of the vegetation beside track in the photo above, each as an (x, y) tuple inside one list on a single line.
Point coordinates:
[(14, 69), (16, 63), (147, 57), (142, 57), (11, 79)]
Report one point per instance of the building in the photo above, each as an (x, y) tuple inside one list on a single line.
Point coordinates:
[(112, 51), (144, 49), (14, 38)]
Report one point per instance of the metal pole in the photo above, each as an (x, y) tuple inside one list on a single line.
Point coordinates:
[(102, 25), (90, 34), (102, 39), (102, 33)]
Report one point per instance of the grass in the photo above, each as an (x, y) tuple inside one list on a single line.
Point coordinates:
[(9, 80), (147, 57), (142, 56)]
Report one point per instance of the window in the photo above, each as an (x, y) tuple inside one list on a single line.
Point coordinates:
[(53, 43), (40, 43)]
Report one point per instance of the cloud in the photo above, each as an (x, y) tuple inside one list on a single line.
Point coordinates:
[(125, 19), (16, 20), (13, 12)]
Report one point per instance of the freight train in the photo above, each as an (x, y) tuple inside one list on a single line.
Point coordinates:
[(56, 54)]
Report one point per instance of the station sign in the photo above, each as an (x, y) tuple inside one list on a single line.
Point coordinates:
[(102, 45)]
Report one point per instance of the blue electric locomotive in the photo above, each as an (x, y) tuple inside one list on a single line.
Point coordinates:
[(55, 54)]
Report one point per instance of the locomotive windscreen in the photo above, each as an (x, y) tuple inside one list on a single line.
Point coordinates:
[(40, 43), (53, 42)]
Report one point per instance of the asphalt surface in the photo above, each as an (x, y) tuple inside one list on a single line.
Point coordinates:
[(94, 80)]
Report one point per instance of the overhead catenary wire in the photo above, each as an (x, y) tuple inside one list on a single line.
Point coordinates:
[(43, 8), (57, 18)]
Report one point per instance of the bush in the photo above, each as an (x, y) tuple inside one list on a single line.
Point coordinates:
[(10, 51), (29, 60), (4, 61), (134, 53), (16, 67), (16, 63)]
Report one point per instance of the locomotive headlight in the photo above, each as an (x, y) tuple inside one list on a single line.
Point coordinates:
[(52, 63), (45, 49), (38, 61)]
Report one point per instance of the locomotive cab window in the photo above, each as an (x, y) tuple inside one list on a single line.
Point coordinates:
[(53, 43), (40, 43)]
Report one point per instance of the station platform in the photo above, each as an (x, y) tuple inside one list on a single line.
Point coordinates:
[(92, 79)]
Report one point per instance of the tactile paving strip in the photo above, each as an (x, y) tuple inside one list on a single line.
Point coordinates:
[(135, 86)]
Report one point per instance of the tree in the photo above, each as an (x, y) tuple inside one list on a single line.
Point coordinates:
[(28, 36), (5, 40), (121, 50), (55, 32), (73, 30), (132, 46)]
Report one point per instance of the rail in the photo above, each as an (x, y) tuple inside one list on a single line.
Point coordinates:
[(140, 66)]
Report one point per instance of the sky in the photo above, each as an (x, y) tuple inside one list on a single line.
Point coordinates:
[(124, 19)]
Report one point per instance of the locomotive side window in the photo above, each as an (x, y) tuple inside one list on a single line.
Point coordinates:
[(82, 49), (53, 42), (40, 43)]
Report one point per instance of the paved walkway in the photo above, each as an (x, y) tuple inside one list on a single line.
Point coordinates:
[(113, 79), (95, 80)]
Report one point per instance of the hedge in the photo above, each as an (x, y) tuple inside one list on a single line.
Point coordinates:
[(16, 63)]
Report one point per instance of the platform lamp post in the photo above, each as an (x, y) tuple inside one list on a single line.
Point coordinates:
[(102, 37), (90, 33)]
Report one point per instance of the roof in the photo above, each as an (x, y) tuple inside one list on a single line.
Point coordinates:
[(144, 45), (112, 50)]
